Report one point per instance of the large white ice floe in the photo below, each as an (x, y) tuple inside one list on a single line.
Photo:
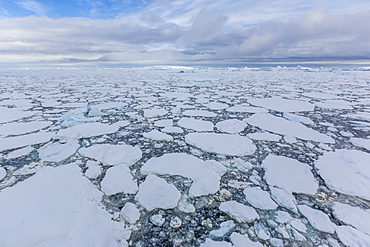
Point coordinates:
[(216, 106), (11, 114), (264, 137), (259, 198), (283, 105), (354, 216), (239, 212), (118, 179), (154, 112), (352, 237), (205, 175), (113, 155), (285, 127), (91, 129), (225, 144), (211, 243), (289, 174), (284, 198), (75, 117), (231, 126), (56, 152), (130, 213), (317, 219), (25, 140), (156, 135), (360, 142), (240, 240), (346, 171), (195, 124), (199, 113), (56, 207), (23, 128), (155, 192), (247, 109)]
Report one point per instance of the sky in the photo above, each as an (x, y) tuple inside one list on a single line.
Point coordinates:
[(183, 32)]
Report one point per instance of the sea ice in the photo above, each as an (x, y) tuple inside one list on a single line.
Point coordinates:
[(289, 174), (284, 198), (155, 112), (25, 140), (19, 153), (195, 124), (211, 243), (155, 192), (163, 123), (23, 128), (283, 105), (297, 118), (259, 198), (233, 145), (317, 219), (205, 175), (11, 114), (156, 135), (354, 216), (130, 213), (2, 173), (239, 212), (225, 229), (240, 240), (285, 127), (56, 207), (264, 137), (199, 113), (172, 130), (118, 179), (247, 109), (93, 169), (352, 237), (216, 106), (360, 142), (91, 129), (113, 155), (56, 152), (346, 171), (231, 126)]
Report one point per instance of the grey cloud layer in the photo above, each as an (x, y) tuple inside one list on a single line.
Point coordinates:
[(210, 37)]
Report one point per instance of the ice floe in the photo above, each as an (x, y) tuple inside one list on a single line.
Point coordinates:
[(56, 152), (91, 129), (259, 198), (233, 145), (283, 105), (155, 192), (289, 174), (317, 219), (239, 212), (346, 171), (118, 179), (354, 216), (157, 136), (205, 175), (25, 140), (113, 155), (285, 127), (231, 126), (23, 128), (57, 206), (195, 124)]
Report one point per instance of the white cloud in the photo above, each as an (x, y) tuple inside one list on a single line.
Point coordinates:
[(33, 6)]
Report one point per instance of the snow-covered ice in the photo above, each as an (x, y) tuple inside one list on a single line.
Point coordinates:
[(205, 175), (289, 174), (56, 207), (155, 192), (113, 155), (239, 212), (317, 219), (259, 198), (195, 124), (233, 145), (346, 171), (231, 126), (118, 179), (156, 135)]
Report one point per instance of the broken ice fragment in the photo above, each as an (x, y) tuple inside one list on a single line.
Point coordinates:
[(259, 198), (317, 219), (155, 192), (118, 179), (239, 212), (130, 213)]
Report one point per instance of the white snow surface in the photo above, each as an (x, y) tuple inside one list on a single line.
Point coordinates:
[(264, 137), (284, 199), (2, 173), (240, 240), (352, 237), (239, 212), (231, 126), (130, 213), (199, 113), (156, 135), (118, 179), (317, 219), (113, 155), (56, 207), (205, 175), (259, 198), (211, 243), (247, 109), (195, 124), (233, 145), (354, 216), (91, 129), (289, 174), (155, 192), (25, 140), (361, 142), (283, 105), (56, 152), (12, 114), (346, 171), (23, 128), (285, 127)]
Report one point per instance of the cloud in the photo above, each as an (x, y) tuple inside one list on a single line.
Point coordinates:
[(32, 6)]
